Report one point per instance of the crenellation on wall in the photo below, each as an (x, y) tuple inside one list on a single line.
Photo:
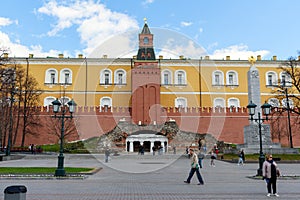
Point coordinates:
[(197, 111)]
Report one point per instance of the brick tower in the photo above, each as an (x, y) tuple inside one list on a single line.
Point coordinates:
[(145, 82)]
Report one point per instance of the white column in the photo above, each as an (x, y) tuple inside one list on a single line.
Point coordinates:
[(151, 145), (163, 146), (131, 146)]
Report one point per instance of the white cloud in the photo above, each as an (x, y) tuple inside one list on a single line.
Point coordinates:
[(5, 21), (95, 22), (189, 50), (18, 50), (184, 24), (237, 52), (146, 2)]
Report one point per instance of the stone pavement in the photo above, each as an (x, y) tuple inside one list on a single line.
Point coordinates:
[(149, 177)]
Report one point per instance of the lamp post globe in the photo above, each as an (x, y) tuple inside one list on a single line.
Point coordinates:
[(266, 109)]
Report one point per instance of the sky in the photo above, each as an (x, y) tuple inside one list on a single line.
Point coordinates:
[(192, 28)]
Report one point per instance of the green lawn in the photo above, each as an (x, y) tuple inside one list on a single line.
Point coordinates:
[(40, 170), (252, 157)]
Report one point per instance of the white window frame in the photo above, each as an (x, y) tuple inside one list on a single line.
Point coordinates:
[(48, 100), (48, 76), (116, 77), (233, 102), (288, 79), (64, 100), (274, 79), (284, 104), (183, 78), (234, 78), (105, 102), (221, 78), (63, 73), (102, 77), (219, 102), (180, 102), (274, 102), (166, 72)]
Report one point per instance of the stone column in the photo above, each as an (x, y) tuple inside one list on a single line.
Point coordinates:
[(254, 88), (163, 146), (151, 145), (131, 146)]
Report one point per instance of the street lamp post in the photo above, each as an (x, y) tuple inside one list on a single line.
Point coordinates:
[(289, 118), (266, 111), (288, 109), (60, 171)]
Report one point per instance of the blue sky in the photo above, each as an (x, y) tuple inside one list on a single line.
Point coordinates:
[(192, 28)]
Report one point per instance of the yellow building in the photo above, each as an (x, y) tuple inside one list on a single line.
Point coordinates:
[(184, 82)]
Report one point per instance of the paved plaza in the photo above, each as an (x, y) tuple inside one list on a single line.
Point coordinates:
[(131, 176)]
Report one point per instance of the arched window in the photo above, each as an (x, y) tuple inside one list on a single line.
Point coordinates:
[(180, 77), (106, 77), (217, 78), (120, 77), (51, 76), (180, 102), (65, 76), (64, 100), (233, 102), (166, 77), (273, 102), (105, 102), (284, 103), (219, 103), (48, 101), (271, 78), (232, 78), (285, 79)]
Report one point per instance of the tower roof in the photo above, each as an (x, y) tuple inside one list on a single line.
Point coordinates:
[(146, 29)]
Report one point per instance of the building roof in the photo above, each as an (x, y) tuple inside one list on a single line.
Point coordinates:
[(146, 29)]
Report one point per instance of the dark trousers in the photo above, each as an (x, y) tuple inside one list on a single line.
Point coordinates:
[(193, 170), (271, 183), (200, 162)]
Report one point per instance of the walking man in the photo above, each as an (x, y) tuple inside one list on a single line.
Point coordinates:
[(194, 168)]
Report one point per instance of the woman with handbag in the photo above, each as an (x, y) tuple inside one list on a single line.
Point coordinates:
[(270, 174)]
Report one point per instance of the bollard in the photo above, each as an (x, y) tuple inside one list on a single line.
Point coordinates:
[(15, 192)]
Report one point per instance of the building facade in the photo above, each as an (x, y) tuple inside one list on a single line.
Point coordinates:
[(148, 87)]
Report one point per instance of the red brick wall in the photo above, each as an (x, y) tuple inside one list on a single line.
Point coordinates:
[(225, 126)]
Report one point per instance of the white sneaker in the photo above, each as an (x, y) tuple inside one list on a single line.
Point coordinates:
[(277, 195), (269, 194)]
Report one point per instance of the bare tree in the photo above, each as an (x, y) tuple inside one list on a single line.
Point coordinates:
[(288, 93), (19, 97), (290, 79), (28, 95), (54, 127)]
